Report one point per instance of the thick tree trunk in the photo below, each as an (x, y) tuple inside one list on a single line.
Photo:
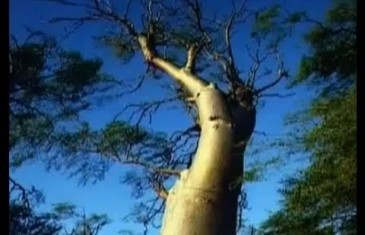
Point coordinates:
[(204, 200)]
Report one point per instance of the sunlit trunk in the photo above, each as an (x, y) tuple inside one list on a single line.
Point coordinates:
[(205, 199)]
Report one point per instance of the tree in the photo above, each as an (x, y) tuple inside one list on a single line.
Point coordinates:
[(48, 88), (83, 224), (322, 198), (186, 46), (23, 219)]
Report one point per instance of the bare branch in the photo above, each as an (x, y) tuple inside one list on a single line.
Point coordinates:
[(195, 6), (76, 20), (134, 89), (191, 58), (146, 107), (260, 133), (127, 9), (96, 13), (225, 57), (266, 73), (277, 95), (184, 137), (24, 193), (192, 83), (257, 62), (282, 73), (228, 37), (176, 136), (222, 60), (160, 190), (162, 171), (127, 24), (242, 204)]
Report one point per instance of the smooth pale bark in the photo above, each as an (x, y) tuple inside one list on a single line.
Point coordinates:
[(204, 200)]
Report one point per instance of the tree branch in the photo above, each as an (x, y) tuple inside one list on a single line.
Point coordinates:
[(160, 190), (191, 57), (161, 171), (277, 95), (145, 108), (282, 73), (24, 193), (191, 82), (228, 39)]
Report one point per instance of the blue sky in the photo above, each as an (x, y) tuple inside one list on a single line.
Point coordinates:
[(113, 198)]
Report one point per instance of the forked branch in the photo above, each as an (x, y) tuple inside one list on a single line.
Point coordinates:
[(281, 74)]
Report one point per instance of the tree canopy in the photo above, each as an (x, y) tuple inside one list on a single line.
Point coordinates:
[(24, 219), (321, 199), (48, 88)]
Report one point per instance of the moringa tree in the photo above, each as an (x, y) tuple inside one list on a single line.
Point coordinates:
[(195, 50)]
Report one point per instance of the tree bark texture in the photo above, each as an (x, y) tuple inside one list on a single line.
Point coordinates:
[(205, 198)]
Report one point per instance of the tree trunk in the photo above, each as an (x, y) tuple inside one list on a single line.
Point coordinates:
[(204, 200)]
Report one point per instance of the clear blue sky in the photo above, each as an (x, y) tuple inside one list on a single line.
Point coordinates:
[(111, 197)]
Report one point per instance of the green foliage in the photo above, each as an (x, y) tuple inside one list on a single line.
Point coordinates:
[(119, 134), (265, 20), (76, 73), (122, 47), (296, 17), (322, 199), (89, 225), (25, 220), (48, 87), (285, 223), (334, 50), (88, 153), (256, 170), (270, 25), (64, 210)]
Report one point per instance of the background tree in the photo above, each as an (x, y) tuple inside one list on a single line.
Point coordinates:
[(23, 218), (48, 88), (321, 199)]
